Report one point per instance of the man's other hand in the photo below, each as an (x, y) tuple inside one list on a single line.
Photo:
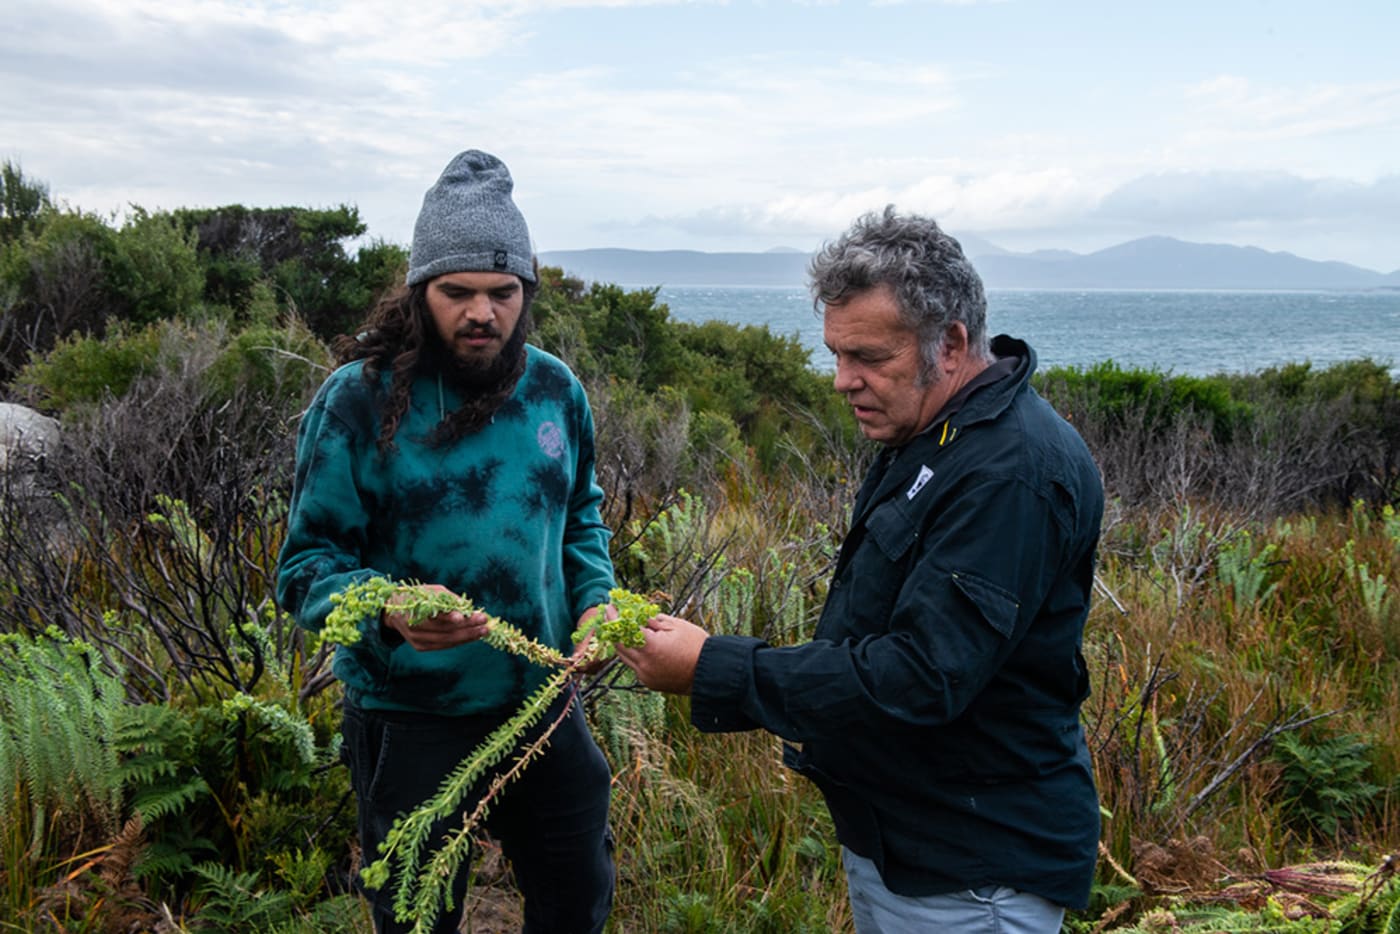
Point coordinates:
[(667, 661)]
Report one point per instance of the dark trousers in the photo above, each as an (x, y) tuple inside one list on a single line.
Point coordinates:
[(551, 821)]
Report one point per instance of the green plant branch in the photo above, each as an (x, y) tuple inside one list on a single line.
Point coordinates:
[(423, 891), (434, 891)]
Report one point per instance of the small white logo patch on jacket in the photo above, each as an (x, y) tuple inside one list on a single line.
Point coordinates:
[(925, 475)]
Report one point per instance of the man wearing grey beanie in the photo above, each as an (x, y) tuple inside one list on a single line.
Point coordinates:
[(445, 450)]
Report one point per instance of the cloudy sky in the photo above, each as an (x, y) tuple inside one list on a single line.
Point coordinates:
[(738, 125)]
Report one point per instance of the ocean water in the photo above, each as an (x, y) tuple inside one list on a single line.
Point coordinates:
[(1184, 333)]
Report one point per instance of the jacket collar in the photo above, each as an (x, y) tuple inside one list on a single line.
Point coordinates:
[(990, 400), (893, 469)]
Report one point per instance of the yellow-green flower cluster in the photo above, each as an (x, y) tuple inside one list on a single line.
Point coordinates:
[(633, 611), (360, 602)]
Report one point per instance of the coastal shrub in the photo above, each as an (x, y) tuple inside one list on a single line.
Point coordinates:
[(281, 365), (1352, 412), (1267, 444), (641, 447), (84, 368), (637, 334), (763, 383), (22, 200), (1107, 393), (767, 365), (55, 282), (559, 326), (266, 361), (155, 273), (301, 252)]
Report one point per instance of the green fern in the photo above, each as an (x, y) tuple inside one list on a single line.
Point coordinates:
[(154, 740), (304, 874), (1326, 780), (58, 704), (235, 902)]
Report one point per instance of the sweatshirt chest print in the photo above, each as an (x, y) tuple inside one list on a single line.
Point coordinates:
[(925, 475), (551, 440)]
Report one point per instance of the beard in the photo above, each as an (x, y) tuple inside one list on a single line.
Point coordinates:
[(485, 385), (477, 377)]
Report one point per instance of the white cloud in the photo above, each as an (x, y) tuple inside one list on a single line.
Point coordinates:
[(1237, 104), (1223, 198), (777, 125)]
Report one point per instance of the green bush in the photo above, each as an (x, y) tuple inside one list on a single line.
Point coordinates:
[(83, 369), (22, 200), (636, 334), (283, 363), (1278, 441), (55, 280), (155, 272), (1105, 392), (301, 252)]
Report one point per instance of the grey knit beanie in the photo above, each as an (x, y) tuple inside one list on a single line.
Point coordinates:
[(470, 224)]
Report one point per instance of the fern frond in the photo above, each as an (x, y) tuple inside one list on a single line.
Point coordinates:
[(161, 860), (58, 704), (236, 901), (156, 801), (123, 853)]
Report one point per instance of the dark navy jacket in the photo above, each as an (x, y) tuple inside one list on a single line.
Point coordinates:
[(937, 707)]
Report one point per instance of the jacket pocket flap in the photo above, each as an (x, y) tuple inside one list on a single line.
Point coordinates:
[(998, 607), (891, 530)]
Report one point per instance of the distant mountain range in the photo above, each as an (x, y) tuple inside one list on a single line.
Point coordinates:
[(1148, 263)]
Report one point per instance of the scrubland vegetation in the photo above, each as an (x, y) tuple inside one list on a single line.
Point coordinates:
[(168, 738)]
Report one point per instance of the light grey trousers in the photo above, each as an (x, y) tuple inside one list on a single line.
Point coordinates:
[(993, 909)]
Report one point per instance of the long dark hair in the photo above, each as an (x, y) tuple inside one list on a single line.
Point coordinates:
[(399, 336)]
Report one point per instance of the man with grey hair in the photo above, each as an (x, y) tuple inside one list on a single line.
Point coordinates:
[(937, 706)]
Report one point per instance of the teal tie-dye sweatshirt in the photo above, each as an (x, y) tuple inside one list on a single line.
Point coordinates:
[(508, 516)]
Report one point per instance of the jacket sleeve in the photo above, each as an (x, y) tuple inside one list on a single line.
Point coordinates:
[(327, 523), (975, 579), (587, 564)]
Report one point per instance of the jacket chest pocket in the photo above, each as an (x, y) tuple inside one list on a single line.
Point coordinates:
[(865, 592), (892, 531)]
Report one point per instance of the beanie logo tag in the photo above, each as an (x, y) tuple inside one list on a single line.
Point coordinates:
[(500, 259)]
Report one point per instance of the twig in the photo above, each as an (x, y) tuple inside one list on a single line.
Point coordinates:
[(1220, 779), (1102, 588)]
